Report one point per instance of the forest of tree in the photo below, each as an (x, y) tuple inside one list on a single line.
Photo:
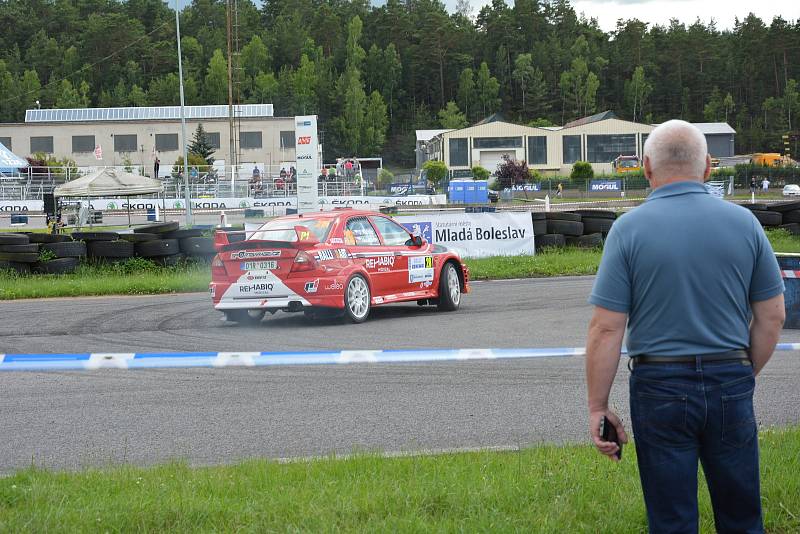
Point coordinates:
[(375, 74)]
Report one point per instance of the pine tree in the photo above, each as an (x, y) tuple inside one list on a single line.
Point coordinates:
[(201, 146)]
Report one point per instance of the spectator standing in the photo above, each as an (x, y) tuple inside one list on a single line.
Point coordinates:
[(697, 284), (559, 190), (753, 185), (765, 185), (348, 168), (156, 165)]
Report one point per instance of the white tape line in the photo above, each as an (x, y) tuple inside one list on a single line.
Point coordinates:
[(235, 359), (476, 354), (101, 360), (358, 356)]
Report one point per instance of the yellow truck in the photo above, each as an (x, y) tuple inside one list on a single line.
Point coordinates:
[(770, 159), (625, 164)]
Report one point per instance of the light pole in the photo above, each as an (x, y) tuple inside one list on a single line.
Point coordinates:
[(186, 196)]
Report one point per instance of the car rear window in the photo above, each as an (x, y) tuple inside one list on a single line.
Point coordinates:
[(282, 230)]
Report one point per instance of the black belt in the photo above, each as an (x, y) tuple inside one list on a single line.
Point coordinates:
[(733, 355)]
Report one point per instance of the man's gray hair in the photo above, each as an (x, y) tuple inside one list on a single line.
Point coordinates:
[(677, 146)]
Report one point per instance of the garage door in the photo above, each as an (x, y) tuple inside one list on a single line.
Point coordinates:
[(490, 159)]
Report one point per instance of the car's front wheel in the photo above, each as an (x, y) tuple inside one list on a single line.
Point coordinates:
[(449, 288), (357, 299), (249, 317)]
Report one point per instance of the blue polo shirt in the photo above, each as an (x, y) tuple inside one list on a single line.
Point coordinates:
[(685, 266)]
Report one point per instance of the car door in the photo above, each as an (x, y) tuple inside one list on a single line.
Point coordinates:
[(413, 268), (367, 250)]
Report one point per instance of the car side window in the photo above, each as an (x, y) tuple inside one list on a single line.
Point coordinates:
[(360, 232), (392, 233)]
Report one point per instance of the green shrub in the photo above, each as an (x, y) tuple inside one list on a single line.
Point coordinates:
[(480, 173), (435, 171), (385, 177), (582, 172)]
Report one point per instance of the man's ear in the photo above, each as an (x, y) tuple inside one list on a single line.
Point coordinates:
[(648, 170), (707, 172)]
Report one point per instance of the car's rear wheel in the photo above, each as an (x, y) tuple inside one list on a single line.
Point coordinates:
[(449, 288), (357, 299), (250, 317)]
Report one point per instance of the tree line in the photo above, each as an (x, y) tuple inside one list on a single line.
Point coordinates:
[(375, 74)]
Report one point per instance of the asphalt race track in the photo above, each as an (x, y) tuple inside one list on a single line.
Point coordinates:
[(76, 419)]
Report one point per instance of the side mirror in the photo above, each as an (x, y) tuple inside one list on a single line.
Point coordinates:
[(415, 241)]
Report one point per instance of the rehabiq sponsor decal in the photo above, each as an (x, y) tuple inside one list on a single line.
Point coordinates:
[(380, 261), (256, 288)]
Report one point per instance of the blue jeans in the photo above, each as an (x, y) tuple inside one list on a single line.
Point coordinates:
[(685, 412)]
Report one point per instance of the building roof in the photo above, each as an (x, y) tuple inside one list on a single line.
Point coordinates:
[(494, 117), (146, 113), (592, 118), (714, 128), (427, 135)]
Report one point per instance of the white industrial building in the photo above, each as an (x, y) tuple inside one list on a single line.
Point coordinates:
[(597, 139), (123, 136)]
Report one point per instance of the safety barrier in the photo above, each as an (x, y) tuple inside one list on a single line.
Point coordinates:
[(165, 360)]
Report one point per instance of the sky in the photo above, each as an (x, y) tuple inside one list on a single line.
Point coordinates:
[(723, 12)]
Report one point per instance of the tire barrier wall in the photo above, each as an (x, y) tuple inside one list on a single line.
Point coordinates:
[(162, 243), (155, 360)]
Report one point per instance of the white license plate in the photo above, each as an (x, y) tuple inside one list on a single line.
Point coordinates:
[(259, 265)]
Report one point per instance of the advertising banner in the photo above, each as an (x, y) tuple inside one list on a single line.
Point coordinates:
[(475, 235), (21, 206), (605, 185), (307, 161), (526, 187)]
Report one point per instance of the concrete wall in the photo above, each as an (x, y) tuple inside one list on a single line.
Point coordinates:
[(270, 153)]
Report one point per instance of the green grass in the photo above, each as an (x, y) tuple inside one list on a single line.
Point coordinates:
[(552, 262), (135, 277), (540, 489)]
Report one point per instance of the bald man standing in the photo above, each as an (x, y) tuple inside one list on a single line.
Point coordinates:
[(695, 280)]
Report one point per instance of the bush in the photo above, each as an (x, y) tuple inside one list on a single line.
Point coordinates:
[(512, 172), (435, 171), (385, 177), (479, 173), (582, 172)]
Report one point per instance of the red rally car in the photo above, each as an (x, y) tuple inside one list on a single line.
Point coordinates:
[(346, 260)]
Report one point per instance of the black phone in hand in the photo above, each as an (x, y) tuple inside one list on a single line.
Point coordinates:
[(608, 432)]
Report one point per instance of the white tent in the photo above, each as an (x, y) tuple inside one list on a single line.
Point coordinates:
[(109, 183)]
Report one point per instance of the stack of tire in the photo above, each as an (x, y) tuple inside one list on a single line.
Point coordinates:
[(166, 244), (17, 253), (581, 228), (104, 247), (784, 215), (65, 253)]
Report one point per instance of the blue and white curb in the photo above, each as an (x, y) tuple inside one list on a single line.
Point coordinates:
[(162, 360)]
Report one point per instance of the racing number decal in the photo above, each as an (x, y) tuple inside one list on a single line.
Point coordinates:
[(420, 269), (429, 262), (304, 235)]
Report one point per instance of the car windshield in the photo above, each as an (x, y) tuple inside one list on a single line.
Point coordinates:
[(283, 230), (628, 163)]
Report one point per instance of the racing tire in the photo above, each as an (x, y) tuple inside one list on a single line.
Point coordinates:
[(783, 207), (139, 238), (110, 249), (768, 218), (540, 227), (244, 317), (157, 247), (791, 217), (57, 266), (558, 226), (596, 214), (66, 249), (198, 246), (449, 288), (357, 298), (183, 234), (158, 228), (31, 247), (550, 240), (792, 228), (95, 236), (19, 257), (760, 207), (586, 241), (538, 216), (19, 268), (593, 226), (35, 237), (562, 216), (14, 239)]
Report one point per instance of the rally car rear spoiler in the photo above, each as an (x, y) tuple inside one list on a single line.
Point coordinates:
[(228, 241)]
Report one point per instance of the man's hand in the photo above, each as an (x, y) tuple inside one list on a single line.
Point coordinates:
[(609, 448)]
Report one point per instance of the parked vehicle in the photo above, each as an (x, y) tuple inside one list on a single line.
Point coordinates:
[(624, 164), (791, 190)]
